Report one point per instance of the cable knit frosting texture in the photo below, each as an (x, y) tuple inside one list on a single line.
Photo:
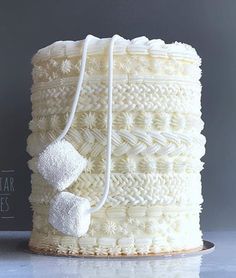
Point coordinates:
[(155, 197)]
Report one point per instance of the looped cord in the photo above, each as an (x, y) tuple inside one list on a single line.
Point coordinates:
[(109, 114), (78, 89), (109, 128)]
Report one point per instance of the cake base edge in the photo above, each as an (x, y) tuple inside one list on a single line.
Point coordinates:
[(42, 251)]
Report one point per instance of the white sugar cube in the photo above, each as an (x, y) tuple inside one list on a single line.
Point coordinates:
[(69, 214), (60, 164)]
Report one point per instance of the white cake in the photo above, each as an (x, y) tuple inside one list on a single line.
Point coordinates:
[(155, 196)]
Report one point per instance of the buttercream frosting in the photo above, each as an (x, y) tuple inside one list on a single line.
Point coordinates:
[(155, 197)]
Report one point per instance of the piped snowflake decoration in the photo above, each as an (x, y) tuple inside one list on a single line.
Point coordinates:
[(61, 249), (125, 120), (66, 66), (110, 227), (148, 165), (53, 63), (127, 165), (101, 166), (164, 166), (89, 120), (145, 120), (162, 121)]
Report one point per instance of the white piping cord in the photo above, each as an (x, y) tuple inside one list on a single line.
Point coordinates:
[(109, 129), (109, 115), (78, 89)]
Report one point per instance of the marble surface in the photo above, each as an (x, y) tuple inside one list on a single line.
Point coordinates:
[(17, 261)]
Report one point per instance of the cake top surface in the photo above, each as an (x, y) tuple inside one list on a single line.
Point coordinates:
[(140, 45)]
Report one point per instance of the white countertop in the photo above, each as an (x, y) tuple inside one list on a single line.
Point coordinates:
[(17, 261)]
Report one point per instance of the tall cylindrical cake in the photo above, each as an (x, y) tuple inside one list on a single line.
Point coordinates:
[(155, 196)]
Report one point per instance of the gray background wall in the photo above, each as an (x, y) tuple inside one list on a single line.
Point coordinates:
[(209, 25)]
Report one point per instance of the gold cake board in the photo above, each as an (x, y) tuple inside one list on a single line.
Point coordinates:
[(206, 248)]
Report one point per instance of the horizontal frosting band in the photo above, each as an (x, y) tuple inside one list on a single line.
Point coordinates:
[(92, 142), (129, 97), (161, 121), (140, 45), (135, 189)]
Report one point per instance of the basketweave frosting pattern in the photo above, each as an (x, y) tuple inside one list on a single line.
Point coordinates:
[(155, 196)]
